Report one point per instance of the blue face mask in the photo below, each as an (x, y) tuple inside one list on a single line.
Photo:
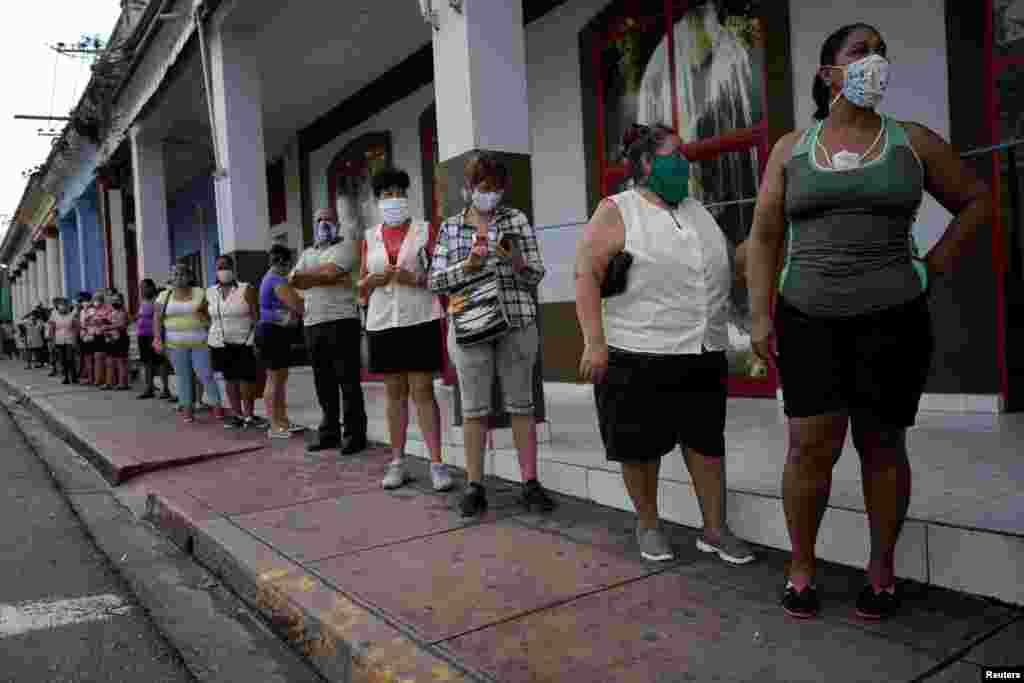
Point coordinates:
[(325, 232)]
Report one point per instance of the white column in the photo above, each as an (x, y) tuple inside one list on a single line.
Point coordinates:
[(33, 284), (152, 231), (115, 199), (44, 276), (242, 213), (16, 299), (480, 79)]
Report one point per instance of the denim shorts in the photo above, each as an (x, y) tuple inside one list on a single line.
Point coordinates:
[(512, 357)]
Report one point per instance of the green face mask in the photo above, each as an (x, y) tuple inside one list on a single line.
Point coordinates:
[(670, 178)]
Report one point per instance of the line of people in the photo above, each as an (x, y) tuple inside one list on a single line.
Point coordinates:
[(842, 314)]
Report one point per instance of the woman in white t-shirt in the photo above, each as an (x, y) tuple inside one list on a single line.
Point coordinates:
[(234, 310), (403, 323), (655, 351)]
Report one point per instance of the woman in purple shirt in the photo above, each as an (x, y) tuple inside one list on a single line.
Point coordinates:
[(152, 362), (281, 309)]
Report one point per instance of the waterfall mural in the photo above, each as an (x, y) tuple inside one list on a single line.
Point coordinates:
[(699, 67)]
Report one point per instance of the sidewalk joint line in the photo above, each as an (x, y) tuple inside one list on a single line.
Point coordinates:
[(962, 652)]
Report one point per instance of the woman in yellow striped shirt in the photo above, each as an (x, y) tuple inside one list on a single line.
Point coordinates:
[(180, 331)]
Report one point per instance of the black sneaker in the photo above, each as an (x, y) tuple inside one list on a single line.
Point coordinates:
[(875, 606), (234, 422), (474, 501), (257, 423), (800, 604), (535, 498)]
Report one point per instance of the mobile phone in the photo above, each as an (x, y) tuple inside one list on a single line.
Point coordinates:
[(510, 242)]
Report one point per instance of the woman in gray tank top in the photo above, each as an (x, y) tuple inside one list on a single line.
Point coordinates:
[(851, 326)]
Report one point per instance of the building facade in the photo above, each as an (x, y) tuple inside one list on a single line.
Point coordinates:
[(237, 120)]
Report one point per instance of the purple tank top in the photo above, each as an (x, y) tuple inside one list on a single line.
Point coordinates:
[(144, 328), (271, 307)]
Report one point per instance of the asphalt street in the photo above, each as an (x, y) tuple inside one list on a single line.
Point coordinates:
[(65, 615)]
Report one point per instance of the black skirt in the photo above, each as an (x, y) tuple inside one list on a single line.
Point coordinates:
[(416, 348)]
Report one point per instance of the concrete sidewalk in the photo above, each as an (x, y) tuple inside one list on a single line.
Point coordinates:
[(395, 586)]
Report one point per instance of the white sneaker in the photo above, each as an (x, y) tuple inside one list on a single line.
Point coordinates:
[(395, 477), (440, 477)]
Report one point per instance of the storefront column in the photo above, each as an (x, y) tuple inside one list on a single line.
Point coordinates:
[(62, 279), (482, 106), (242, 206), (16, 297), (53, 272), (152, 232), (33, 279), (118, 252), (44, 272)]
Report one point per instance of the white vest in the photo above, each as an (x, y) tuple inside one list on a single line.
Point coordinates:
[(231, 318), (398, 305), (677, 297)]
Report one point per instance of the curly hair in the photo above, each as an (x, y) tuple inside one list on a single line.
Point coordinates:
[(641, 142)]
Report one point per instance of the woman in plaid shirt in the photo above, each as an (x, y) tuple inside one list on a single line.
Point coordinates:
[(468, 243)]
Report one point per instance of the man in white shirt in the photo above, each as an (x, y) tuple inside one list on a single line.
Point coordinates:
[(324, 273)]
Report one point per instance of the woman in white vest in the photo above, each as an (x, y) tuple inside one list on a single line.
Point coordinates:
[(234, 310), (180, 326), (655, 351), (403, 323)]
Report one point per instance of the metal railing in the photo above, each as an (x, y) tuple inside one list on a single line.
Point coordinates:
[(1013, 218)]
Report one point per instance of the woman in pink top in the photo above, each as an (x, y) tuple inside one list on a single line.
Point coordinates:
[(98, 322), (118, 343)]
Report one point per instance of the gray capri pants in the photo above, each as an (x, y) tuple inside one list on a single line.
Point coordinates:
[(513, 356)]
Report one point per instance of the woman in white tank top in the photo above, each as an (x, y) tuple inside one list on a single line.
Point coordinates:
[(656, 350), (233, 308)]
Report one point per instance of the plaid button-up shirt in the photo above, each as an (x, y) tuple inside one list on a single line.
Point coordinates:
[(454, 243)]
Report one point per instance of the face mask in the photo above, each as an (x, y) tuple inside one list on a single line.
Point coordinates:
[(394, 211), (325, 232), (864, 81), (486, 202), (225, 277), (670, 178)]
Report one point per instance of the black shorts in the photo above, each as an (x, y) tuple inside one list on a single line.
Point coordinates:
[(119, 348), (237, 362), (274, 345), (147, 356), (417, 348), (872, 367), (98, 345), (647, 404)]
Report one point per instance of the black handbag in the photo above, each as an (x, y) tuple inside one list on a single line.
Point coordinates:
[(616, 277), (477, 311)]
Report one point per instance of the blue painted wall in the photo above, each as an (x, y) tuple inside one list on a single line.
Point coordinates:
[(68, 226), (92, 253), (187, 232)]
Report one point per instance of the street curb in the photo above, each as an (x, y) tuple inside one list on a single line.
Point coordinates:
[(217, 636), (68, 430), (344, 640)]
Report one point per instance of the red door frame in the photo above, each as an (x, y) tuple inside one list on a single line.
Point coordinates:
[(755, 137), (994, 65)]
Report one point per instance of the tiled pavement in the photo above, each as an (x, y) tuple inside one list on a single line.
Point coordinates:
[(376, 585)]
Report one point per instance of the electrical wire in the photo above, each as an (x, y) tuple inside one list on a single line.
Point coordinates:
[(53, 91)]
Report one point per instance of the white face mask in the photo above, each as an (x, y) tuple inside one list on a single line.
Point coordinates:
[(225, 277), (865, 81), (394, 211), (486, 201), (325, 232)]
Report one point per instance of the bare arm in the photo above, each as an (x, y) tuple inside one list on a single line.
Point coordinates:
[(768, 231), (958, 189), (287, 294), (252, 298), (603, 237)]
